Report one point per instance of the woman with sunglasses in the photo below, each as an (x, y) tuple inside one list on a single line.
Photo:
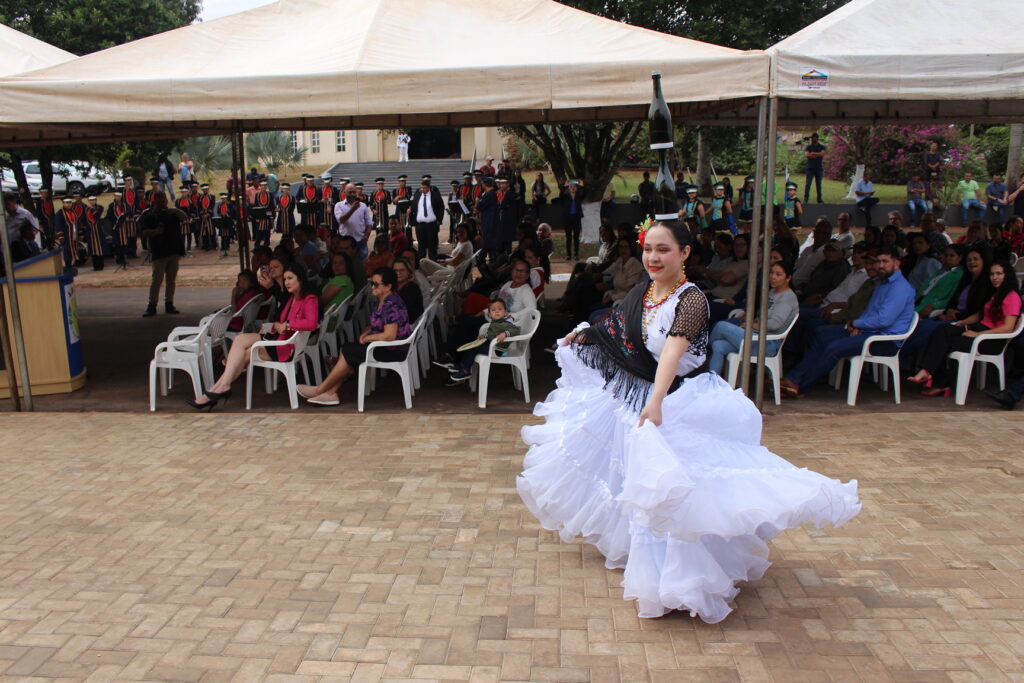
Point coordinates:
[(388, 321)]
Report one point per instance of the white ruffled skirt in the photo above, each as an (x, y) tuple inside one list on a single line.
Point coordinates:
[(686, 508)]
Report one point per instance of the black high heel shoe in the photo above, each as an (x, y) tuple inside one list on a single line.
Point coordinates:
[(214, 397), (222, 396), (201, 406)]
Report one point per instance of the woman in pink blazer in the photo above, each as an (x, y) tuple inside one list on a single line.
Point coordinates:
[(301, 313)]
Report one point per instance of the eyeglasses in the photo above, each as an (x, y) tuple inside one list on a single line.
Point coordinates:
[(375, 285)]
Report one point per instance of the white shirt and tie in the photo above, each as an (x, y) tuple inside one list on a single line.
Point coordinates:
[(424, 210)]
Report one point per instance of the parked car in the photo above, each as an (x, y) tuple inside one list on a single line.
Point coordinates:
[(68, 178)]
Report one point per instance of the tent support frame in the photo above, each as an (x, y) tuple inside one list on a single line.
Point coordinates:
[(766, 253), (757, 235), (18, 336), (237, 173)]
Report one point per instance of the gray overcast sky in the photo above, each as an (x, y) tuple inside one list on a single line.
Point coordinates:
[(219, 8)]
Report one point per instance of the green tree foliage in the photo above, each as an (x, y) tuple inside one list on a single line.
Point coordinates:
[(994, 143), (589, 152), (739, 24), (570, 150), (208, 154), (84, 26), (273, 150)]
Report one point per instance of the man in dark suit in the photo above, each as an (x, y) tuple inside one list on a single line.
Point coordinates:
[(428, 212), (25, 246), (490, 215)]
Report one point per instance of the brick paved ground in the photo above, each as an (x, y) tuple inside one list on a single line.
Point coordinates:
[(341, 547)]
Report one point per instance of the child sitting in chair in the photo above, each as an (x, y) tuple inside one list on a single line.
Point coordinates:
[(499, 326)]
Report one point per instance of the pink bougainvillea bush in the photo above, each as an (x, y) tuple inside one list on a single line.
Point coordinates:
[(892, 153)]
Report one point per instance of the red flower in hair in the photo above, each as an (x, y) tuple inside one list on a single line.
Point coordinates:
[(643, 228)]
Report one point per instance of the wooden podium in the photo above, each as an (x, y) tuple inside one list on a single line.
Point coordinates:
[(49, 322)]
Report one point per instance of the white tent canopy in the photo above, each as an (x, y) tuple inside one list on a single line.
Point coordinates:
[(307, 64), (20, 52), (912, 61)]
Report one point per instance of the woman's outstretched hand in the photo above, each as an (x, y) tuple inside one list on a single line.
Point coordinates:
[(652, 413)]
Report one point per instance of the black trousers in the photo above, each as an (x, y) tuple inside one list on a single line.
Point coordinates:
[(815, 175), (426, 239), (224, 228), (573, 231), (947, 338)]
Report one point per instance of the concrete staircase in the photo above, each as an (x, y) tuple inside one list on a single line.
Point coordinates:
[(444, 171)]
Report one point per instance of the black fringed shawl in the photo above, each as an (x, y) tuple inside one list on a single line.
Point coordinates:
[(616, 349)]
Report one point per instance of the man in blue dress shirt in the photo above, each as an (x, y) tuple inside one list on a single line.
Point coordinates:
[(890, 311)]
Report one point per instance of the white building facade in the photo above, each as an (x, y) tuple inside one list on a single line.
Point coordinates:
[(352, 146)]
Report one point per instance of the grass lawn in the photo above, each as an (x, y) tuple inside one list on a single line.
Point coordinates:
[(833, 191)]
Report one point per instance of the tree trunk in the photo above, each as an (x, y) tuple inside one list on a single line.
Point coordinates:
[(1013, 157), (677, 152), (46, 167), (703, 164), (22, 181)]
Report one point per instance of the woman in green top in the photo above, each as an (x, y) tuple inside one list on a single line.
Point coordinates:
[(339, 287), (935, 293)]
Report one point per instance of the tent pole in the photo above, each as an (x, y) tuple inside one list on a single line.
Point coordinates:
[(241, 219), (756, 235), (5, 341), (766, 255), (19, 339)]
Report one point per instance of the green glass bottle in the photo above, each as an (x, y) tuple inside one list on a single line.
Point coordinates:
[(659, 122)]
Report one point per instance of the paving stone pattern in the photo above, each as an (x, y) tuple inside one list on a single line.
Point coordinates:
[(394, 547)]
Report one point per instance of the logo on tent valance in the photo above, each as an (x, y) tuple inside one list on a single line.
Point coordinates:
[(814, 79)]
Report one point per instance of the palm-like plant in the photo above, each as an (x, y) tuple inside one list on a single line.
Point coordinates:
[(209, 154), (273, 150)]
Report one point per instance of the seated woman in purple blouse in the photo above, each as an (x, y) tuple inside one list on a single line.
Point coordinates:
[(388, 321)]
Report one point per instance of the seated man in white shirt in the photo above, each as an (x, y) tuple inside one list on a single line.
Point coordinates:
[(850, 284), (844, 234), (866, 199), (813, 255)]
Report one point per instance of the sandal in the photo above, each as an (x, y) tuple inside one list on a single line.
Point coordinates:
[(790, 390), (925, 381)]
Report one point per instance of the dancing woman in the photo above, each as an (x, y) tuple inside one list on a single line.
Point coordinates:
[(656, 461)]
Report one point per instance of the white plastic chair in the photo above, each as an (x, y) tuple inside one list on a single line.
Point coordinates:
[(407, 368), (352, 325), (966, 359), (424, 342), (215, 325), (892, 363), (330, 327), (341, 329), (313, 346), (247, 314), (772, 364), (428, 344), (286, 368), (517, 356), (266, 313), (182, 351)]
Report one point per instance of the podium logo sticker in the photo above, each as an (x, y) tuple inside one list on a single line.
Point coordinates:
[(814, 79)]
